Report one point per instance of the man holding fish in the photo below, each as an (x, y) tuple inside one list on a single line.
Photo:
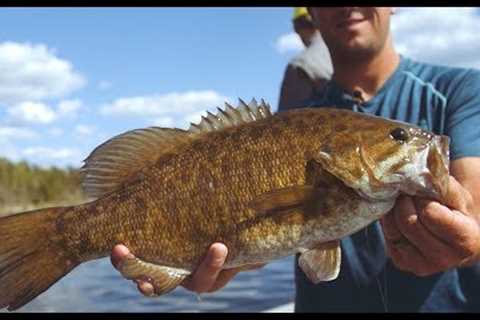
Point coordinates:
[(423, 255)]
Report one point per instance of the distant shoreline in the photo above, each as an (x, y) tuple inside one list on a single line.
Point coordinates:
[(18, 208)]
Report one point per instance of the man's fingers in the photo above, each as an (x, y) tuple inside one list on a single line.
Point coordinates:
[(223, 278), (208, 276), (426, 237), (204, 278), (410, 244), (408, 258), (119, 253), (207, 272), (146, 288), (457, 197), (389, 225), (435, 250), (452, 226), (442, 221), (226, 275)]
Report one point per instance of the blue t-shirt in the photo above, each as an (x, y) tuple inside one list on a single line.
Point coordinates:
[(443, 100)]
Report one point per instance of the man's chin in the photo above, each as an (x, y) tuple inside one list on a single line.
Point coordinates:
[(356, 51), (357, 44)]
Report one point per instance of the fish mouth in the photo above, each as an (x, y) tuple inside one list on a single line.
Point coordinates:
[(432, 171), (438, 162)]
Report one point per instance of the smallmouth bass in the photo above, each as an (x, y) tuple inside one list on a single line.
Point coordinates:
[(267, 186)]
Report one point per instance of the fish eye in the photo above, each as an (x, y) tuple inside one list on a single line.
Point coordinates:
[(399, 134)]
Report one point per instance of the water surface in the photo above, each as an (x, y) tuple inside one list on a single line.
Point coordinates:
[(96, 287)]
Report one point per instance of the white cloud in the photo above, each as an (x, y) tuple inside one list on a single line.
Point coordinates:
[(289, 42), (32, 112), (29, 112), (168, 109), (69, 107), (165, 122), (158, 105), (446, 36), (9, 151), (104, 85), (50, 153), (8, 140), (34, 72), (84, 130), (11, 133), (42, 156), (55, 132)]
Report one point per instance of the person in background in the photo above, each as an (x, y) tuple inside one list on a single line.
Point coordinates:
[(424, 255), (308, 72)]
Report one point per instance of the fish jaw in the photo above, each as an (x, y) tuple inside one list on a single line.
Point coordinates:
[(428, 174), (439, 163)]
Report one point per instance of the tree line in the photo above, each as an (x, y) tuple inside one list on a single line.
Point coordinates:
[(23, 184)]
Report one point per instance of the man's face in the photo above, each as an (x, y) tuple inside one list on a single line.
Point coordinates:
[(353, 31)]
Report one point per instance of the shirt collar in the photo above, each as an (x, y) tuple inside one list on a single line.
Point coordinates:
[(335, 93)]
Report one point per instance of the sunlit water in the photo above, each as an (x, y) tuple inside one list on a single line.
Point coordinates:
[(96, 287)]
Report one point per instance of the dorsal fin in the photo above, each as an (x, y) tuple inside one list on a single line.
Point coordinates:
[(120, 158), (232, 116)]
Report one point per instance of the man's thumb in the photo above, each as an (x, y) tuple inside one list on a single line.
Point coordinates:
[(457, 197)]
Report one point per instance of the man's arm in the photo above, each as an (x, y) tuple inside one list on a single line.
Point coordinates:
[(425, 237), (296, 88), (467, 173)]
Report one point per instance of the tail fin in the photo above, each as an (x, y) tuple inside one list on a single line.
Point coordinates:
[(30, 259)]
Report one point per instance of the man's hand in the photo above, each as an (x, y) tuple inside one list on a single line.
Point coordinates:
[(425, 237), (208, 277)]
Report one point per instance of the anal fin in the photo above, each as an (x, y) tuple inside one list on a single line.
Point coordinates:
[(322, 263), (163, 278)]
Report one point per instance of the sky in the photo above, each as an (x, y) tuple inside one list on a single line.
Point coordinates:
[(71, 78)]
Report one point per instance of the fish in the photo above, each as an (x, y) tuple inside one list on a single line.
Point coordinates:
[(267, 185)]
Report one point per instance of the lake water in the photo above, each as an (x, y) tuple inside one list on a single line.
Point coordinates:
[(97, 287)]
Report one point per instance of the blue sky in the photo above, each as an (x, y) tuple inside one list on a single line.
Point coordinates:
[(72, 77)]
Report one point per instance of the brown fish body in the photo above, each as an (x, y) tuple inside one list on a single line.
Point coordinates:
[(201, 194), (254, 186)]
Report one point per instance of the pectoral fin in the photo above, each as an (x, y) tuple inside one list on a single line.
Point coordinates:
[(163, 278), (282, 199), (319, 186), (322, 263)]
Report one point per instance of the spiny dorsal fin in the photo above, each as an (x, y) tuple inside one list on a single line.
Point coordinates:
[(120, 158), (232, 116)]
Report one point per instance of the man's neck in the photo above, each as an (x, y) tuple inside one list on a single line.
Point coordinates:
[(367, 76)]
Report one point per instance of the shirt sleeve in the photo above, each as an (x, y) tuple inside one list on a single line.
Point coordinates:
[(295, 90), (463, 117)]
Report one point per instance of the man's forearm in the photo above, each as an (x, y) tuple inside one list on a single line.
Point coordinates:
[(296, 89)]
